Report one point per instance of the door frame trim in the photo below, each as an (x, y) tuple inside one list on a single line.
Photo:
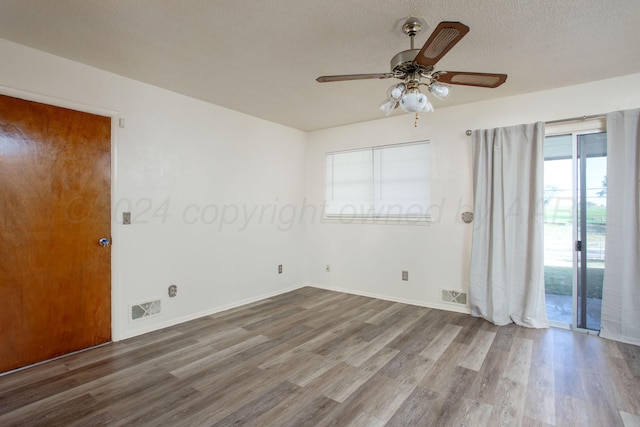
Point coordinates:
[(115, 116)]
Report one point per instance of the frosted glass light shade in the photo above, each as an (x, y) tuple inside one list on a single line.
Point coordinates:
[(396, 91), (439, 90), (388, 105), (413, 102)]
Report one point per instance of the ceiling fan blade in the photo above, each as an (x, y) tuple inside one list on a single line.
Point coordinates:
[(443, 38), (472, 79), (343, 77)]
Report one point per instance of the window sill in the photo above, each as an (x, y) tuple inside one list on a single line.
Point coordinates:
[(376, 221)]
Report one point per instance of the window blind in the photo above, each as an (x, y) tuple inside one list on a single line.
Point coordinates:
[(380, 182)]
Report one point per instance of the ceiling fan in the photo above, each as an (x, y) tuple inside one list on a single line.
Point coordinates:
[(415, 67)]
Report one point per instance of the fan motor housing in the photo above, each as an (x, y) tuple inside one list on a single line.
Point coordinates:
[(403, 63)]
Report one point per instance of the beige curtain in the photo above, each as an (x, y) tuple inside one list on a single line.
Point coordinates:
[(506, 280), (621, 289)]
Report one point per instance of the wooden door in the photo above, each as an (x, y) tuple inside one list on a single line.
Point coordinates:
[(55, 185)]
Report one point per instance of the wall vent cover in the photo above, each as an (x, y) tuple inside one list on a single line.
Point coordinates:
[(454, 297), (145, 309)]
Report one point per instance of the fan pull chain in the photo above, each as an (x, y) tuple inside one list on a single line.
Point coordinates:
[(415, 123)]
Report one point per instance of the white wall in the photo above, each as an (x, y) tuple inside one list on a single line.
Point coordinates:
[(182, 158), (368, 259)]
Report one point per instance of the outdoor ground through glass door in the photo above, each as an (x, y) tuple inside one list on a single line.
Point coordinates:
[(575, 222)]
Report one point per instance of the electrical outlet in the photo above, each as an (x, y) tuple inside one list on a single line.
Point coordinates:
[(405, 275), (327, 268), (126, 218), (172, 291), (280, 269)]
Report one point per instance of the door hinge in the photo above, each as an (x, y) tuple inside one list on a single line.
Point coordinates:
[(578, 245)]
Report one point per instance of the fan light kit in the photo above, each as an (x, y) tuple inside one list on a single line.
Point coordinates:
[(414, 67)]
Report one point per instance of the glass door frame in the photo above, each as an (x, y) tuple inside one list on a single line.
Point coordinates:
[(581, 260), (586, 127)]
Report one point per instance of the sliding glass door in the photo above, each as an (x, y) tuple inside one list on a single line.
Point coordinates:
[(575, 224), (591, 227)]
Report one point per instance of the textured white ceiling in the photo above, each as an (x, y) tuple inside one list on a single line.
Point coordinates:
[(261, 57)]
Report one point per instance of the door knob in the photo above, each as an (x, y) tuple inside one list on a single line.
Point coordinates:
[(104, 242)]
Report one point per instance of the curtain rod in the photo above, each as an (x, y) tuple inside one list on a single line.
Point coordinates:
[(576, 119), (572, 119)]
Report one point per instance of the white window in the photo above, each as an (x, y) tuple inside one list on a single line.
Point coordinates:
[(381, 182)]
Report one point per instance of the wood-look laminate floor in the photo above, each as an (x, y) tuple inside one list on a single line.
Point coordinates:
[(314, 357)]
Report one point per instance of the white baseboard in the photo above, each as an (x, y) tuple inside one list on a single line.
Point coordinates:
[(203, 313), (213, 310), (427, 304)]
